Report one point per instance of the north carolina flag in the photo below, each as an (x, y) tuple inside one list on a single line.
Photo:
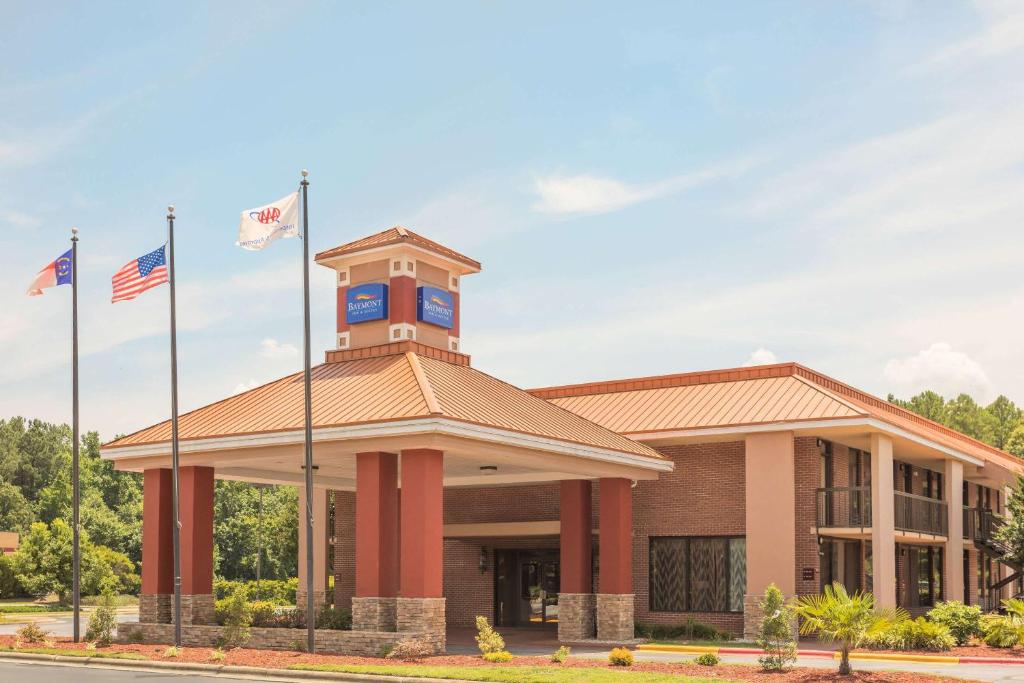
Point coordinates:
[(58, 272)]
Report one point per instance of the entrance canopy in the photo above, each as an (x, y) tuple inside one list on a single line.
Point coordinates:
[(406, 395)]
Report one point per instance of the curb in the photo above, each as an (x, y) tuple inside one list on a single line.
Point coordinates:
[(879, 656), (251, 672)]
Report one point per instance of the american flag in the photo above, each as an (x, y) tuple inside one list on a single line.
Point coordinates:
[(139, 275)]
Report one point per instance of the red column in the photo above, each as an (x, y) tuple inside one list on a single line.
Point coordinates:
[(157, 532), (422, 562), (195, 504), (576, 541), (376, 525), (616, 536)]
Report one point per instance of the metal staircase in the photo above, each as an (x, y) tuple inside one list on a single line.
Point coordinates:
[(986, 525)]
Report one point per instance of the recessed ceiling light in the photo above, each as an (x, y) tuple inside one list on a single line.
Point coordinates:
[(488, 469)]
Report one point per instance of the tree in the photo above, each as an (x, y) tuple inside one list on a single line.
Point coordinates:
[(236, 531), (1005, 416), (1011, 533), (927, 404), (776, 634), (15, 510), (837, 616), (967, 417), (42, 563), (1015, 443)]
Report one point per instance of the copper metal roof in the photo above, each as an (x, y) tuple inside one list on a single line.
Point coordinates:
[(391, 388), (397, 235), (737, 397)]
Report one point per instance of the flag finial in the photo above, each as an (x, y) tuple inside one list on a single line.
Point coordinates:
[(170, 209), (74, 234), (305, 173)]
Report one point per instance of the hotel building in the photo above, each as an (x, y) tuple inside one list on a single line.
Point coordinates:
[(582, 508)]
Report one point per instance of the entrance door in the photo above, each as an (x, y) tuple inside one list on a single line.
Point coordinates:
[(526, 587)]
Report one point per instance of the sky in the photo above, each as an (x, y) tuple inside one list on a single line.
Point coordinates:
[(651, 187)]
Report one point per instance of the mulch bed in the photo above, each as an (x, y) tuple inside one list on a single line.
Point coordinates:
[(284, 659), (978, 649)]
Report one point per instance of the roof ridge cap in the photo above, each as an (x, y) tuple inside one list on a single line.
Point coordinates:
[(424, 383), (835, 396), (679, 379)]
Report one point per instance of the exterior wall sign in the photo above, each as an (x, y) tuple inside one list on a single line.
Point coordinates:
[(364, 303), (435, 306)]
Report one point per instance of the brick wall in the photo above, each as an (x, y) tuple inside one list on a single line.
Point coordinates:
[(703, 496), (344, 548), (808, 480)]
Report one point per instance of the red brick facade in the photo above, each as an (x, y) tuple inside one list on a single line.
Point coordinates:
[(703, 496)]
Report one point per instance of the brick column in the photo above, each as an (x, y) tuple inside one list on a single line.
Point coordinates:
[(420, 607), (374, 605), (576, 601), (953, 555), (196, 510), (320, 541), (157, 547), (883, 534), (770, 504), (615, 578)]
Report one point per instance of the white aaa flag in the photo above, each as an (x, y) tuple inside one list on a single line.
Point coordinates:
[(264, 224)]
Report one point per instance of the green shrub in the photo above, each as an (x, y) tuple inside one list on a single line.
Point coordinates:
[(237, 619), (217, 655), (171, 652), (487, 639), (31, 633), (688, 630), (708, 659), (263, 613), (498, 657), (561, 654), (963, 621), (912, 634), (1000, 631), (620, 656), (334, 619), (280, 593), (776, 633), (102, 622), (10, 587)]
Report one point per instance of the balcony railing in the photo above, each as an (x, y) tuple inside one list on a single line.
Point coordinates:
[(920, 513), (850, 507)]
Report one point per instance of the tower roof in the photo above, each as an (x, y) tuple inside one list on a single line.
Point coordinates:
[(395, 236)]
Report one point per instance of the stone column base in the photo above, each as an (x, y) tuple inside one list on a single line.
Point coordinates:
[(197, 609), (374, 614), (155, 608), (752, 616), (319, 599), (576, 617), (423, 617), (614, 617)]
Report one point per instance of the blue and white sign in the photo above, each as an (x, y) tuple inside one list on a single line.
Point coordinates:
[(435, 306), (364, 303)]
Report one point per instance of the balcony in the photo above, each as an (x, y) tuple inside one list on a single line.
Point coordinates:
[(849, 509)]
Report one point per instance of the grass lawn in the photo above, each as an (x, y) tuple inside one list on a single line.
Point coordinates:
[(74, 653), (509, 674)]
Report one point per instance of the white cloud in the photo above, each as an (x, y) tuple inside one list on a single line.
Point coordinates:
[(589, 194), (941, 369), (1002, 33), (242, 387), (761, 357), (271, 348)]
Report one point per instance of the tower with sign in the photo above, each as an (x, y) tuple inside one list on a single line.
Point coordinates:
[(397, 286)]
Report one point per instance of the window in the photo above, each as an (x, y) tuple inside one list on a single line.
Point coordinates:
[(697, 574)]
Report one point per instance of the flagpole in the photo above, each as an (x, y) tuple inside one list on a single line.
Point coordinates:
[(310, 604), (76, 554), (174, 431)]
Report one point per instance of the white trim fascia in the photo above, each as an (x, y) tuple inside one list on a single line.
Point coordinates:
[(438, 425), (870, 422)]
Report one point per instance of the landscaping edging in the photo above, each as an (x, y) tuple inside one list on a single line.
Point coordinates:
[(875, 656), (215, 669)]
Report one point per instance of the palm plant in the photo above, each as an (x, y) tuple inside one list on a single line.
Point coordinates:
[(836, 616)]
